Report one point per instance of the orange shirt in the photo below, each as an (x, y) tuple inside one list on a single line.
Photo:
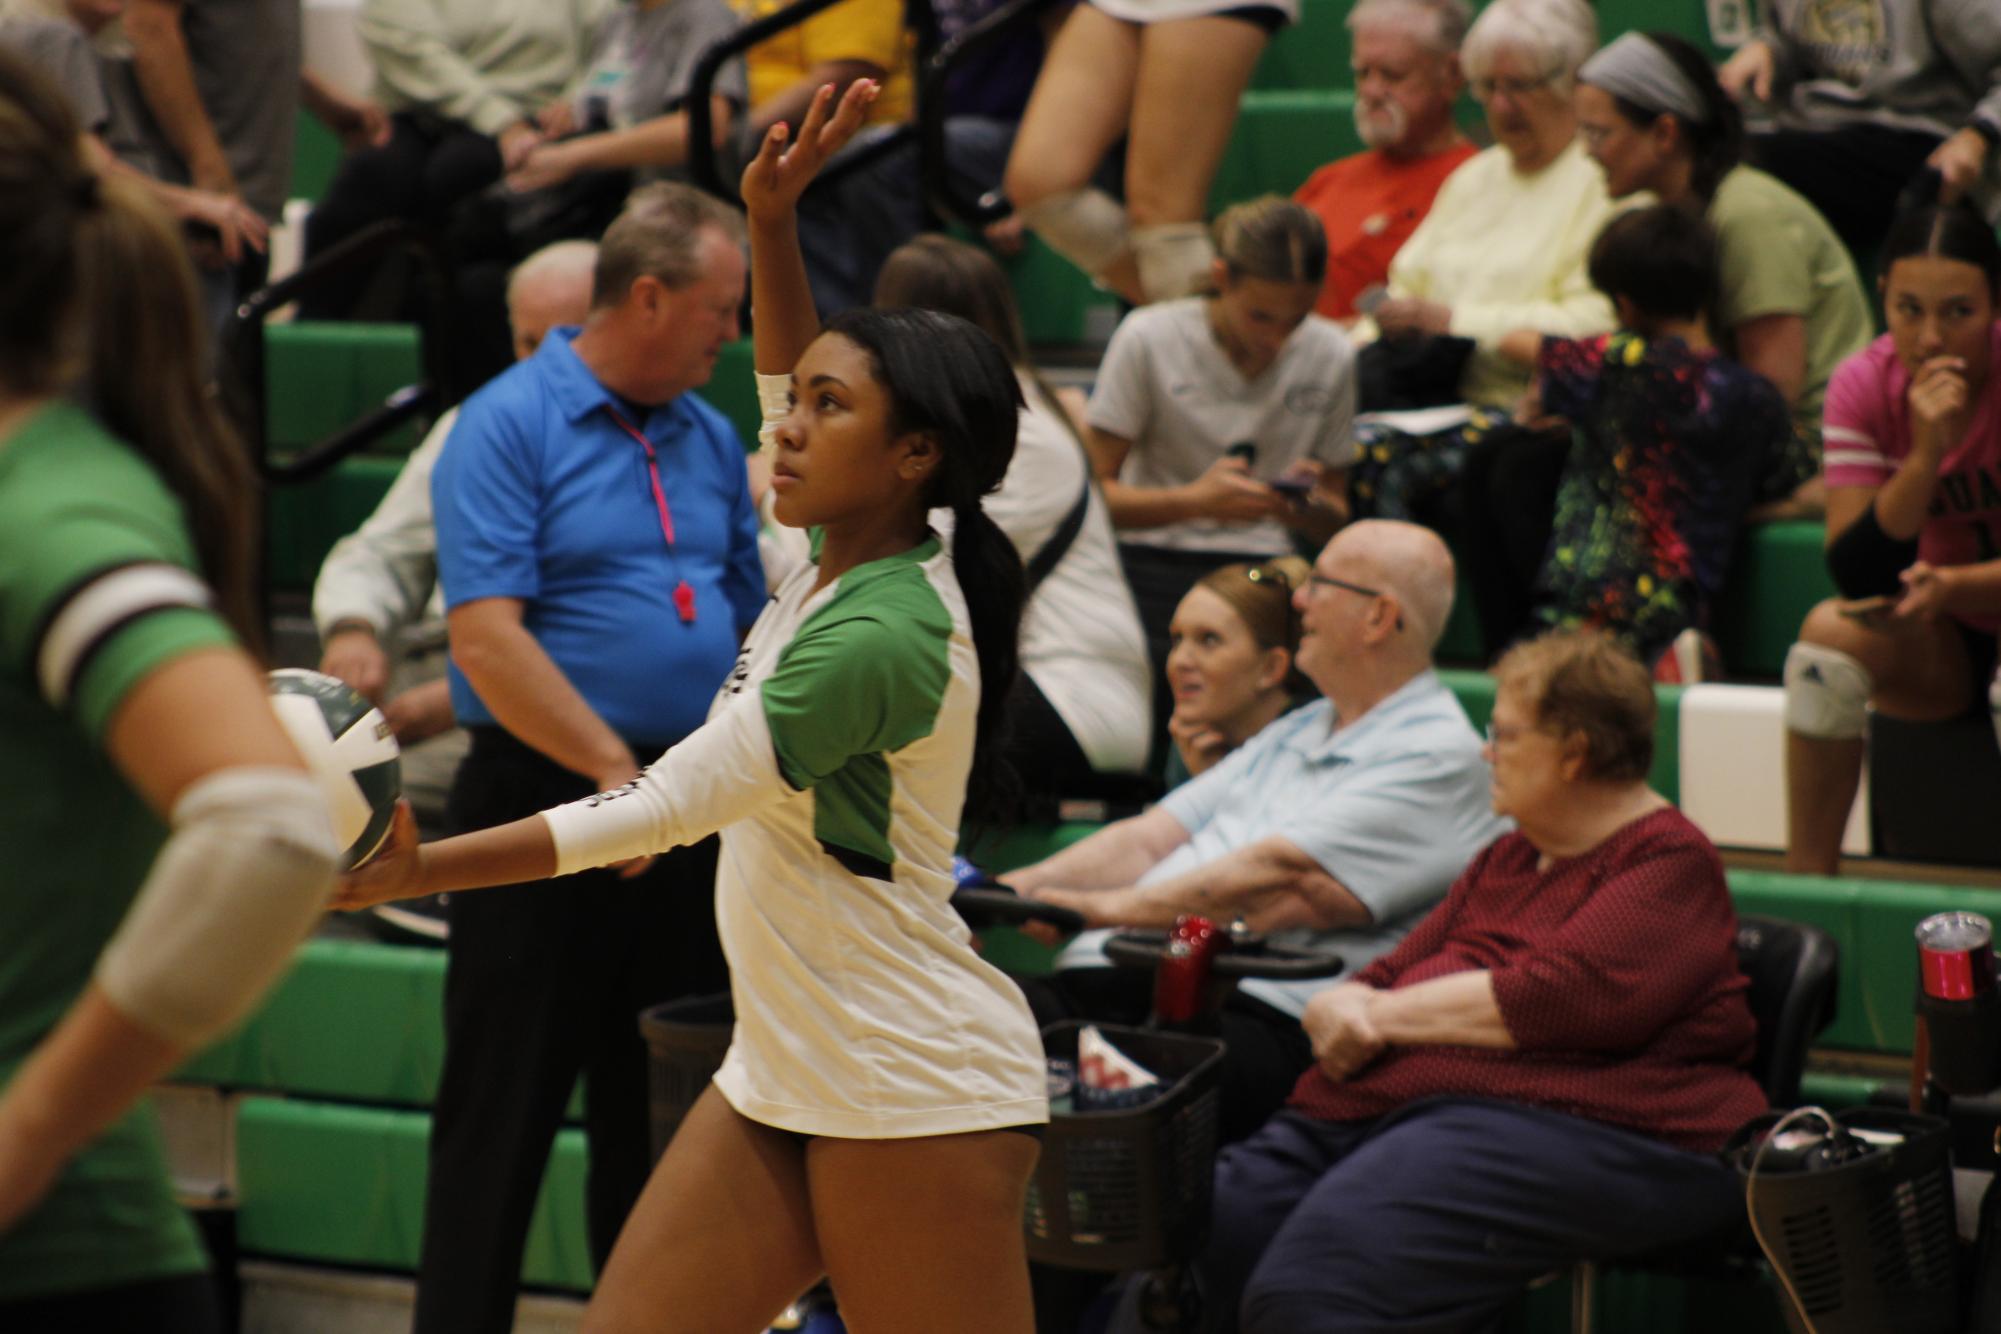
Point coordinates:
[(1370, 204)]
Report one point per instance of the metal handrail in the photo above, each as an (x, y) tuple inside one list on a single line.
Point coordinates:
[(934, 174), (244, 359), (705, 163)]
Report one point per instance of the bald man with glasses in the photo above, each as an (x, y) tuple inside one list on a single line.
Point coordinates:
[(1335, 828)]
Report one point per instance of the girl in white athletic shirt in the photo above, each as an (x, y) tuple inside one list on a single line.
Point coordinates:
[(1203, 404), (876, 1117)]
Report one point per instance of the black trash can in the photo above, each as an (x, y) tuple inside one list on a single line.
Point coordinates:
[(1869, 1242), (685, 1042)]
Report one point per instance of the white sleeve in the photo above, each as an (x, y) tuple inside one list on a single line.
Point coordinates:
[(774, 400), (386, 571), (725, 770)]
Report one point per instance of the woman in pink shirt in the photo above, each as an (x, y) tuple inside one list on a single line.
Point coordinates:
[(1913, 464)]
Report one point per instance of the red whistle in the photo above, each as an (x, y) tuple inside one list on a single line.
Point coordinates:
[(684, 602)]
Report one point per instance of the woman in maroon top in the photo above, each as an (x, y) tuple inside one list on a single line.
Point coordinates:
[(1540, 1073)]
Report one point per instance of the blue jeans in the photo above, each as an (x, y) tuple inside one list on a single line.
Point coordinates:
[(1433, 1218), (847, 229)]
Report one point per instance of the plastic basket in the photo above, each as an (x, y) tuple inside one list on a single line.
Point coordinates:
[(685, 1042), (1130, 1188), (1869, 1244)]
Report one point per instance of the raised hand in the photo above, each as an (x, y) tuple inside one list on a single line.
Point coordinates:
[(778, 175), (1749, 72), (1938, 398)]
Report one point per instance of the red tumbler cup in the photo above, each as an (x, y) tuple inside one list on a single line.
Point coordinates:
[(1955, 956), (1183, 976)]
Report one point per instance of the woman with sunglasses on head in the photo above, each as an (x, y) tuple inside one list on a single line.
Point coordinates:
[(1229, 660), (165, 846), (876, 1118)]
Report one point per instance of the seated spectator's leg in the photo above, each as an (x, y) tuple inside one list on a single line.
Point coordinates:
[(1397, 475), (1498, 515), (849, 224), (1853, 175), (976, 151), (1080, 107), (1919, 671), (1259, 1185), (651, 939), (371, 185), (1442, 1213), (1191, 74), (484, 346), (1266, 1052), (1043, 751), (461, 161)]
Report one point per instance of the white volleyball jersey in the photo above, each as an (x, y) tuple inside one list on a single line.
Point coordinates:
[(834, 761)]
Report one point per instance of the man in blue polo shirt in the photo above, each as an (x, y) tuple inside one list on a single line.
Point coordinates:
[(1336, 828), (598, 551)]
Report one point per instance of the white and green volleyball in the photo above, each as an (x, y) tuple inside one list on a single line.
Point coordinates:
[(349, 746)]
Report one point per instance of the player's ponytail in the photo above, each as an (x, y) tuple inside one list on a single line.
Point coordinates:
[(96, 297), (144, 377), (947, 378)]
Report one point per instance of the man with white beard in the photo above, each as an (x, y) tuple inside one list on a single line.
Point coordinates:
[(1406, 63)]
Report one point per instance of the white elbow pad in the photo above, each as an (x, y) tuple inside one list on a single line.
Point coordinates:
[(242, 878), (774, 400)]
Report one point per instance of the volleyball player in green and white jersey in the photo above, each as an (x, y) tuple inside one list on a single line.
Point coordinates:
[(875, 1117), (163, 846)]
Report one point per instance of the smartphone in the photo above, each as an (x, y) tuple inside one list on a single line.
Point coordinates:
[(1247, 450), (1866, 609), (1295, 489)]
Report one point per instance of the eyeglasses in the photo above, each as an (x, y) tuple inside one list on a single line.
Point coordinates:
[(1269, 574), (1319, 580), (1501, 736), (1483, 89)]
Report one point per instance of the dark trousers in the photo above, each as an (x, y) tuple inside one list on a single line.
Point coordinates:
[(185, 1304), (428, 165), (1853, 174), (1432, 1219), (1049, 764), (1160, 578), (545, 982), (1498, 514)]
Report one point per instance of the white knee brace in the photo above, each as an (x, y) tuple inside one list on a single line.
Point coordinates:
[(1173, 259), (1827, 693), (1086, 227)]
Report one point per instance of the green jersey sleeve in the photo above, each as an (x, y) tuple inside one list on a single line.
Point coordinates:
[(97, 581), (858, 681)]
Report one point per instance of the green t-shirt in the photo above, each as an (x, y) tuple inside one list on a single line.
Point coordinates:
[(96, 591), (1780, 257)]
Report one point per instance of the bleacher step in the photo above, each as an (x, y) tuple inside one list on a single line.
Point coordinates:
[(305, 1299)]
